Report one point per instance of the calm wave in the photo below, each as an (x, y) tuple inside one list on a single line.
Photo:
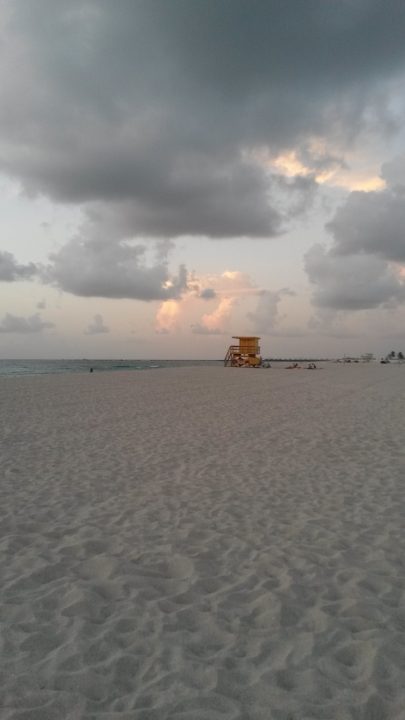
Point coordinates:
[(52, 367)]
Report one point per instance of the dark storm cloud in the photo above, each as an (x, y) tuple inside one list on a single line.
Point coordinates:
[(198, 197), (10, 270), (371, 223), (15, 324), (113, 269), (361, 268), (154, 106), (352, 281)]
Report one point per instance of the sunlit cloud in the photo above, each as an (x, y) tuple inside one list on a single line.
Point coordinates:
[(326, 164), (222, 313), (220, 291), (229, 282), (360, 183), (167, 316), (289, 164)]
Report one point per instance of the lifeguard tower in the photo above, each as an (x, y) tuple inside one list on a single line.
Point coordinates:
[(245, 354)]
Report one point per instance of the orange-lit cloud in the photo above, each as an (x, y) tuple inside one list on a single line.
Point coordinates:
[(216, 320), (327, 166), (167, 316), (367, 184), (230, 282), (227, 288), (290, 165)]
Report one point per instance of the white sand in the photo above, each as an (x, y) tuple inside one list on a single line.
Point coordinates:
[(203, 544)]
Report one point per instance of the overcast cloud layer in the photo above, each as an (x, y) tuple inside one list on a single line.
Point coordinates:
[(153, 116), (154, 103)]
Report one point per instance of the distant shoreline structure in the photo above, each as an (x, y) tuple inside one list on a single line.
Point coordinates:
[(364, 358)]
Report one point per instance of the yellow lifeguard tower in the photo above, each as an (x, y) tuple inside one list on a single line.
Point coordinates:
[(245, 354)]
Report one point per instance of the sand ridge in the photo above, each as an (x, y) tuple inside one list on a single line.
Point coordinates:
[(203, 543)]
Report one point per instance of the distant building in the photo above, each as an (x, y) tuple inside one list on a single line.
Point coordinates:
[(367, 357)]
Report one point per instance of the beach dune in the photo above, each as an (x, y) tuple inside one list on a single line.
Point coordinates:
[(203, 544)]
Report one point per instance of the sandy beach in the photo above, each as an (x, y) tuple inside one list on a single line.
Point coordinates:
[(203, 544)]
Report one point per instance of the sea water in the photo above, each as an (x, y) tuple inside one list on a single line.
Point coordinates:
[(52, 367)]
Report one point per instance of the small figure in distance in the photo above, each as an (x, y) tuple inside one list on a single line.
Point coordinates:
[(91, 369)]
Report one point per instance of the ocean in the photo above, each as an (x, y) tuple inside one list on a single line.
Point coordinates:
[(11, 368)]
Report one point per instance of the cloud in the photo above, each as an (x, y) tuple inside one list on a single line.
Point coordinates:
[(166, 317), (229, 288), (364, 266), (333, 324), (158, 120), (393, 172), (266, 315), (234, 282), (199, 196), (15, 324), (11, 271), (208, 294), (146, 114), (222, 292), (230, 283), (215, 323), (96, 327), (371, 223), (352, 281), (113, 269)]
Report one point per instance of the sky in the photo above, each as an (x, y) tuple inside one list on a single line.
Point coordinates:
[(177, 172)]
